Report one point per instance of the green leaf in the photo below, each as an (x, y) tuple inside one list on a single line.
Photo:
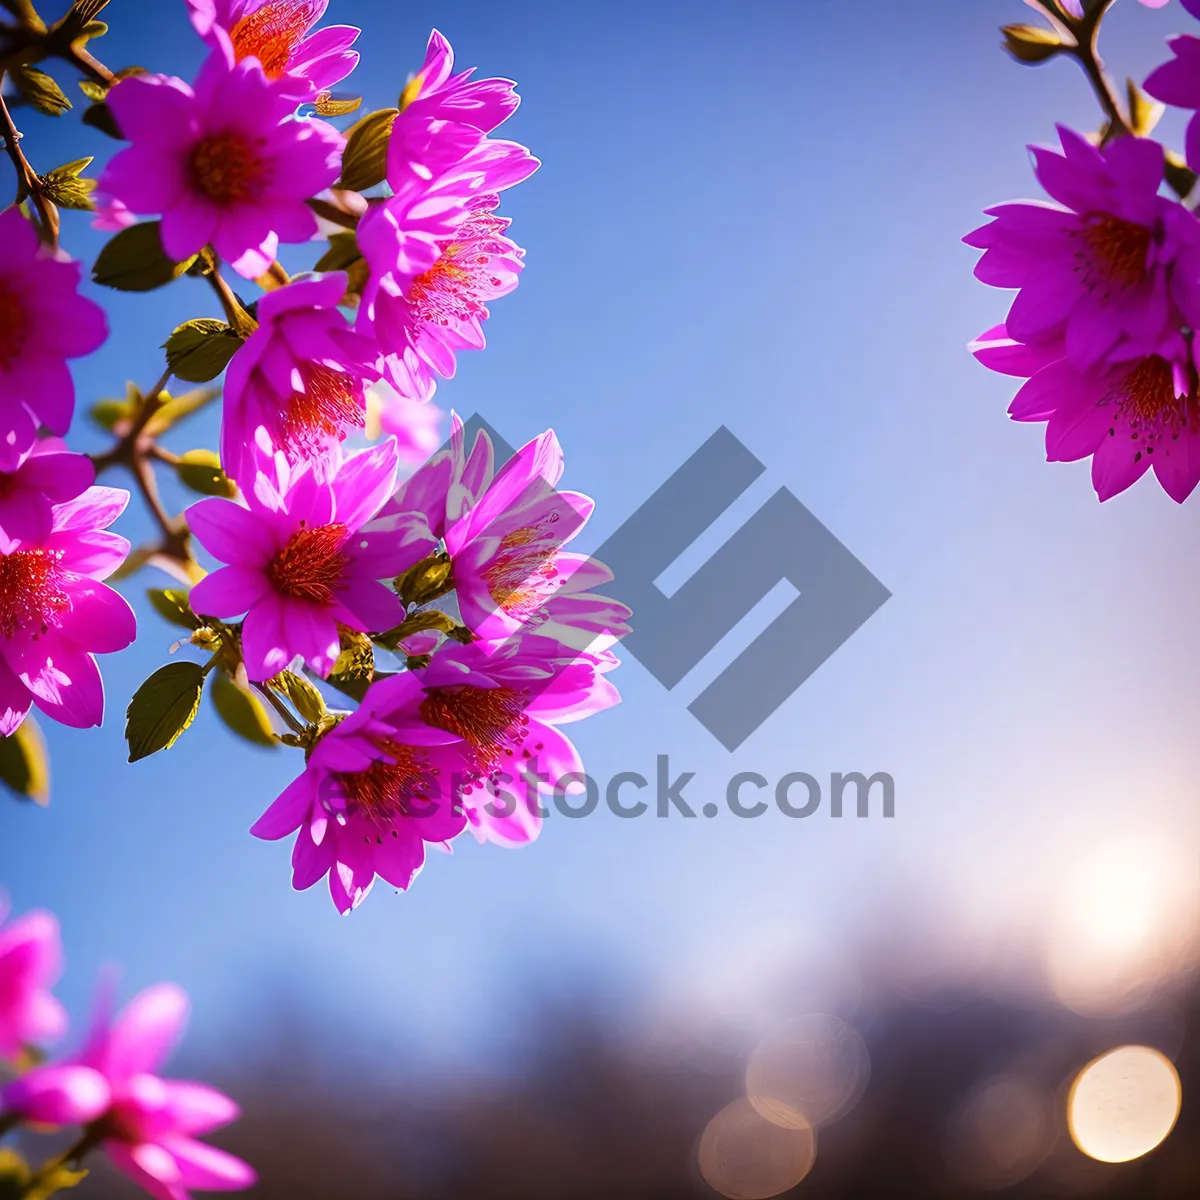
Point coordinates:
[(65, 188), (425, 581), (327, 106), (178, 407), (40, 90), (99, 116), (93, 90), (109, 413), (1180, 178), (173, 605), (418, 622), (14, 1174), (1031, 44), (134, 261), (364, 163), (58, 1179), (24, 764), (343, 252), (242, 711), (201, 471), (1144, 113), (200, 350), (162, 708), (305, 698)]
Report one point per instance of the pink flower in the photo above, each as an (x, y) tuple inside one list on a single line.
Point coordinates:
[(55, 614), (111, 215), (437, 252), (1127, 417), (278, 34), (510, 568), (299, 561), (439, 492), (1112, 268), (31, 483), (301, 375), (436, 93), (221, 163), (375, 789), (1178, 83), (505, 700), (148, 1126), (30, 964), (416, 425), (43, 322)]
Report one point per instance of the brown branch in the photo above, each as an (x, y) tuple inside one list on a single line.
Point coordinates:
[(1086, 51), (28, 181), (241, 321)]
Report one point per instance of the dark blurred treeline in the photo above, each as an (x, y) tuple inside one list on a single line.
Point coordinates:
[(591, 1115)]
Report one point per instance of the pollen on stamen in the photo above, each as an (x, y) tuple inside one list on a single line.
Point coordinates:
[(490, 720), (1119, 249), (1148, 399), (31, 593), (384, 791), (330, 404), (228, 169), (311, 564), (273, 32), (522, 571), (454, 288)]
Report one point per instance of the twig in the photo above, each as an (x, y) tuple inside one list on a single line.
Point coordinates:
[(242, 322), (292, 723), (27, 178), (1087, 53)]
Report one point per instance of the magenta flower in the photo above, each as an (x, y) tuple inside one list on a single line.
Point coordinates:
[(30, 964), (43, 322), (221, 163), (375, 789), (56, 615), (506, 700), (147, 1126), (1074, 8), (279, 34), (436, 93), (31, 483), (1112, 268), (299, 560), (440, 491), (301, 375), (111, 215), (437, 252), (509, 563), (1127, 417), (1178, 83)]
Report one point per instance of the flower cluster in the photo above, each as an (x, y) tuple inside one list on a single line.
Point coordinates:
[(327, 559), (1106, 275), (147, 1126)]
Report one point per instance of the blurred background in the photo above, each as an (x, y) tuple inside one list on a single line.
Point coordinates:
[(748, 215)]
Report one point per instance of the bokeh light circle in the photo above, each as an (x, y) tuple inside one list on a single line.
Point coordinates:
[(810, 1071), (1124, 1103), (743, 1156)]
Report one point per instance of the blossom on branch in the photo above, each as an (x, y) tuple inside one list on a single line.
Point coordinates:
[(299, 560), (43, 322), (56, 614), (222, 162), (30, 964)]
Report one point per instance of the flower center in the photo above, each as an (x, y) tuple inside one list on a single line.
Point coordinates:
[(272, 33), (31, 592), (1148, 392), (454, 288), (311, 564), (228, 168), (1119, 248), (330, 403), (381, 791), (491, 721), (521, 570), (14, 324)]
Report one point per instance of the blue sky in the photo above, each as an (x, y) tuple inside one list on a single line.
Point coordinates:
[(749, 214)]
